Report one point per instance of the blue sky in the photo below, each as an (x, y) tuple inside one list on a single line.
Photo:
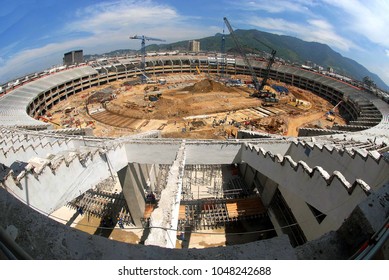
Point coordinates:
[(34, 34)]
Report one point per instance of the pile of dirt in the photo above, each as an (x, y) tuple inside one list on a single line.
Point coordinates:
[(207, 85)]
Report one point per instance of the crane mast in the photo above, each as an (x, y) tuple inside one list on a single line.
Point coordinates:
[(223, 54), (242, 53), (143, 49)]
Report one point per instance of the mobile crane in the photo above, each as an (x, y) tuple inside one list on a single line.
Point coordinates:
[(258, 86), (269, 64), (243, 54)]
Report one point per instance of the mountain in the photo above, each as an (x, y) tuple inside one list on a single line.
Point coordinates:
[(288, 48), (121, 52)]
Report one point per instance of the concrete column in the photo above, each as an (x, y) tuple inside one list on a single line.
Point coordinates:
[(133, 191), (270, 188)]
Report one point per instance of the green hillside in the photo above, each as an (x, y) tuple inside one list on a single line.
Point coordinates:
[(288, 48)]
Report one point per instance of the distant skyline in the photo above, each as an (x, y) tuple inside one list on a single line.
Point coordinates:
[(34, 35)]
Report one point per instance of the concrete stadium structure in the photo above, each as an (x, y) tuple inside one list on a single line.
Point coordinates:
[(332, 184)]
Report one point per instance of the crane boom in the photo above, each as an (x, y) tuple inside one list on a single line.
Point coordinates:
[(243, 54), (268, 66), (146, 38)]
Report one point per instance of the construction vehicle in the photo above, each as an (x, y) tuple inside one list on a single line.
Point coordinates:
[(48, 120), (268, 66), (270, 101), (143, 51), (330, 115), (258, 86), (332, 111), (243, 54)]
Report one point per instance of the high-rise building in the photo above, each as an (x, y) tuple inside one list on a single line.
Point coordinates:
[(194, 46), (73, 57)]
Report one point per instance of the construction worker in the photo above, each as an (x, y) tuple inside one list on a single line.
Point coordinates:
[(120, 222), (80, 211)]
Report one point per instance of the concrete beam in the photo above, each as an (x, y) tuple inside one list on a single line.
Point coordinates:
[(164, 219)]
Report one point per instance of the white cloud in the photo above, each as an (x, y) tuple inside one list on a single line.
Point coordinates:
[(136, 17), (316, 30), (121, 16), (279, 6), (367, 18), (34, 59), (387, 53), (105, 27)]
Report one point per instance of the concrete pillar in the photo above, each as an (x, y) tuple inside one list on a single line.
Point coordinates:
[(133, 191), (270, 188)]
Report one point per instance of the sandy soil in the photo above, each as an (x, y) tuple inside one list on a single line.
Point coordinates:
[(189, 106)]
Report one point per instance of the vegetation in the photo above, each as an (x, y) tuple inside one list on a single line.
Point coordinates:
[(289, 48)]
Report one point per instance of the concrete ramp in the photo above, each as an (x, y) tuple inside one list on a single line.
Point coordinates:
[(49, 183), (164, 219), (370, 166), (331, 194)]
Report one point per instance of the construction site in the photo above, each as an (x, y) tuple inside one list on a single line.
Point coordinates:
[(216, 202), (183, 151), (215, 199), (192, 106)]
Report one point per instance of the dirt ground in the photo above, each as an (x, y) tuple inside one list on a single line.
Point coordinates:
[(189, 106)]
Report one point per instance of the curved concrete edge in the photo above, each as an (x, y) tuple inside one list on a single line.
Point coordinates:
[(43, 238)]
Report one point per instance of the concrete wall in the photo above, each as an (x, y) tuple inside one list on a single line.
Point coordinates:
[(49, 184), (24, 149), (268, 190), (374, 171), (256, 180), (274, 146), (306, 132), (328, 194), (153, 170), (50, 189), (212, 152), (304, 216), (152, 152)]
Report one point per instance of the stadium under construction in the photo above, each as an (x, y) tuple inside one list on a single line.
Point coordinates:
[(320, 195)]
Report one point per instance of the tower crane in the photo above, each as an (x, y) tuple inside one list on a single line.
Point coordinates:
[(243, 54), (143, 48), (269, 64), (223, 54)]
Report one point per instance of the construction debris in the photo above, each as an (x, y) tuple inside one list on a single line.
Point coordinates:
[(201, 107)]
